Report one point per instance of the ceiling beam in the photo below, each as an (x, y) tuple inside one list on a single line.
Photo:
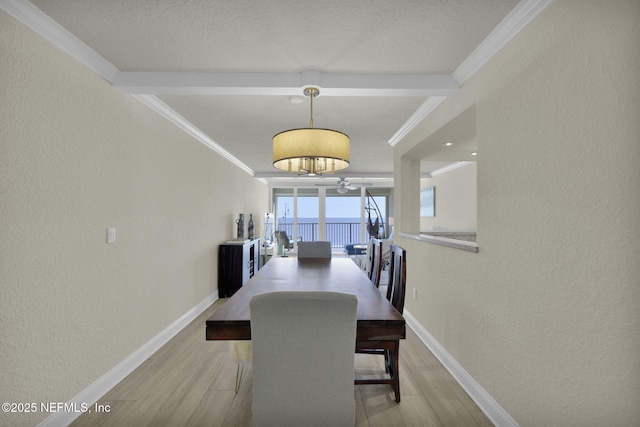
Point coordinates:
[(290, 84), (333, 177)]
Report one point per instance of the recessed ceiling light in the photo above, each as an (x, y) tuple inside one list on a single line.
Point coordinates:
[(296, 99), (474, 153), (448, 143)]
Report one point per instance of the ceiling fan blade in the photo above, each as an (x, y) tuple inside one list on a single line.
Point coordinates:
[(327, 185)]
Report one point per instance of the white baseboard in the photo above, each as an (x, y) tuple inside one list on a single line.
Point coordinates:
[(102, 385), (485, 402)]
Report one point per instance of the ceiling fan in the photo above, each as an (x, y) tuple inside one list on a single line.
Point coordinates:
[(343, 185)]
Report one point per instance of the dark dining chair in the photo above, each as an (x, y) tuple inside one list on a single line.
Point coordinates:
[(390, 350), (397, 277), (374, 261)]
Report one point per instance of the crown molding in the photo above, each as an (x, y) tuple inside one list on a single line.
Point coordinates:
[(524, 12), (164, 110), (36, 20), (449, 168), (511, 25), (212, 83), (437, 87), (421, 113)]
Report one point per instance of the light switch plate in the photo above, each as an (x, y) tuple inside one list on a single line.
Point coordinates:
[(111, 235)]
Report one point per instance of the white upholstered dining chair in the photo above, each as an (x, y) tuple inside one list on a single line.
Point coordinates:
[(303, 358), (319, 249)]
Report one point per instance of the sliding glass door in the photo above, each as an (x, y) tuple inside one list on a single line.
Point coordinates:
[(343, 217), (308, 214), (311, 214), (283, 204)]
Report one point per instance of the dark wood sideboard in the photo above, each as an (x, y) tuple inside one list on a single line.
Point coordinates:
[(237, 263)]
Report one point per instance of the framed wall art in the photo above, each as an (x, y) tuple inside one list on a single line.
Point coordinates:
[(428, 202)]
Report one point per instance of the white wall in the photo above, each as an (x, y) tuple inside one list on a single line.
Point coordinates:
[(456, 199), (545, 317), (77, 156)]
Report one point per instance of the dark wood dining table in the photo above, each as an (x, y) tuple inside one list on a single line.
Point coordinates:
[(379, 324), (377, 318)]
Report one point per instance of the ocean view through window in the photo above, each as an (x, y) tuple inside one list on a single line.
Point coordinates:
[(306, 214)]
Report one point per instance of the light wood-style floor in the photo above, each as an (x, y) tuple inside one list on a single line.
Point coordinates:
[(191, 382)]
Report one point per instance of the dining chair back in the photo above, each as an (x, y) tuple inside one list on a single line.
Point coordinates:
[(318, 249), (395, 294), (397, 277), (374, 261), (283, 240), (302, 377)]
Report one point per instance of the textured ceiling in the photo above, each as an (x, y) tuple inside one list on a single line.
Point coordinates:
[(283, 35), (338, 44)]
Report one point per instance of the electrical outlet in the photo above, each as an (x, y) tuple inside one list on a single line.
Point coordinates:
[(415, 293), (111, 235)]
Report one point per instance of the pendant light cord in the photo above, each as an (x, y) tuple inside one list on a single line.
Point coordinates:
[(311, 95)]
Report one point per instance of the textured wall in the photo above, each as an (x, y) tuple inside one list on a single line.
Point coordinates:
[(456, 199), (546, 317), (77, 157)]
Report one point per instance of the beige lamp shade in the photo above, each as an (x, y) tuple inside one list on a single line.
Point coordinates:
[(311, 151)]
